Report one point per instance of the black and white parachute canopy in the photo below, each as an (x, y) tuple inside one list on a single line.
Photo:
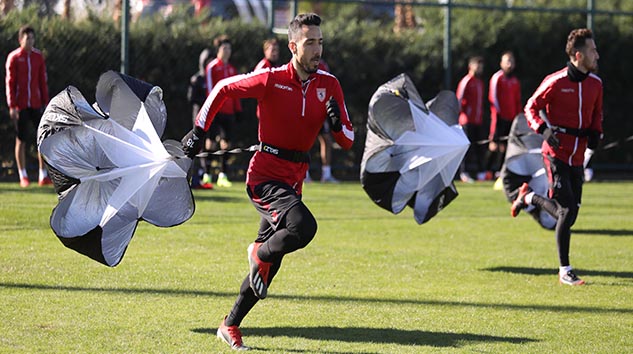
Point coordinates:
[(110, 168), (524, 164), (412, 151)]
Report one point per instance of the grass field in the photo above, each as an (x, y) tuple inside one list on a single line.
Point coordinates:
[(471, 280)]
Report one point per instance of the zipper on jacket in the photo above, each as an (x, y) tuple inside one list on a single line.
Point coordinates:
[(28, 84), (304, 91), (579, 123)]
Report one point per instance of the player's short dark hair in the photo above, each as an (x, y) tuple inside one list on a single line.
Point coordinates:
[(309, 19), (26, 29), (576, 40), (477, 59), (507, 52), (221, 39)]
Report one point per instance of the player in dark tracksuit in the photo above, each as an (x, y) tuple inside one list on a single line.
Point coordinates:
[(572, 100)]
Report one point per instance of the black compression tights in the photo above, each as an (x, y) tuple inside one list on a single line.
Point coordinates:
[(300, 228), (565, 218)]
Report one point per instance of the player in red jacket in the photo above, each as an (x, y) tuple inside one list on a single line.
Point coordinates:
[(470, 94), (294, 100), (504, 95), (572, 100), (27, 95), (222, 129), (271, 54)]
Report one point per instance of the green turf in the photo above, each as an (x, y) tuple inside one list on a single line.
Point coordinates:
[(471, 280)]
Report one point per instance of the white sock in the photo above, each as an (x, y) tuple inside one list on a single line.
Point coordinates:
[(221, 175), (23, 173), (528, 198), (327, 171), (43, 173), (563, 270)]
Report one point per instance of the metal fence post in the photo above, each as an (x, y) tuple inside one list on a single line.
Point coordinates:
[(446, 55), (125, 33), (591, 6)]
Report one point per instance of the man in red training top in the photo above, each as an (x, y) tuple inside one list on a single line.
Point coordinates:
[(221, 130), (294, 101), (572, 100), (27, 95), (470, 94), (504, 95)]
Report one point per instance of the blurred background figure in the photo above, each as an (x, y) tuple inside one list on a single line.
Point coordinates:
[(271, 54), (196, 94), (325, 145), (27, 95), (504, 95), (470, 94), (221, 131)]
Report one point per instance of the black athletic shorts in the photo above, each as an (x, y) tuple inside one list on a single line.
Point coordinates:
[(26, 126), (325, 129), (272, 200), (565, 182), (502, 129), (222, 127)]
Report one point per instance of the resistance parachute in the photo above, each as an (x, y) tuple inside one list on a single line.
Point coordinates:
[(412, 151), (110, 168)]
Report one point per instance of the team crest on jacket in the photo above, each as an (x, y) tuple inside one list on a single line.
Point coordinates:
[(321, 94)]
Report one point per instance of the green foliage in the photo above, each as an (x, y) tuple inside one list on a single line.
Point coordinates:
[(361, 50), (472, 279)]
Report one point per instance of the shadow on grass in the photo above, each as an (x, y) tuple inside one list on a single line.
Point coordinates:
[(606, 232), (199, 197), (32, 189), (374, 335), (361, 300), (552, 272)]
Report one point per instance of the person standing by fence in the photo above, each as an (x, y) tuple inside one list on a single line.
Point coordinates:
[(223, 125), (504, 95), (27, 96), (470, 94)]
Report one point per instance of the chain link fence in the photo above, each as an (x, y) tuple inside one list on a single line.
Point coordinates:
[(167, 35)]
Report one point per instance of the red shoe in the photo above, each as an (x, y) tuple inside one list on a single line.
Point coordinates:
[(46, 181), (519, 203), (206, 186), (258, 275), (232, 336), (24, 182)]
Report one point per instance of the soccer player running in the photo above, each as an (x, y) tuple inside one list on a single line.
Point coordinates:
[(294, 101), (572, 100)]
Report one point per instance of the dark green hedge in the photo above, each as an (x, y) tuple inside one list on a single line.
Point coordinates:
[(362, 54)]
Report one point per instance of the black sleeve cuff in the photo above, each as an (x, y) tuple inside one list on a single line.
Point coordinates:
[(198, 130)]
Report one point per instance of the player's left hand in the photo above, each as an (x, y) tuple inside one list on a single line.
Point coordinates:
[(593, 139), (333, 115), (192, 141)]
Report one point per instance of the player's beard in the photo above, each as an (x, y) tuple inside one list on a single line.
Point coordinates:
[(307, 67), (592, 67)]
